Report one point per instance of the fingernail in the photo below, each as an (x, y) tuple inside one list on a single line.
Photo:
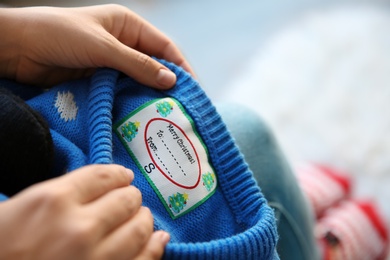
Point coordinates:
[(166, 78), (130, 173), (165, 237)]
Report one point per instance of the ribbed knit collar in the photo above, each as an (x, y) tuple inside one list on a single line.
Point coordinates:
[(239, 188)]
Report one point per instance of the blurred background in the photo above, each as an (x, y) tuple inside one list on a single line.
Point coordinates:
[(317, 71)]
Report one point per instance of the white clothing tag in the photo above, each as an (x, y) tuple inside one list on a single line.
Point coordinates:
[(161, 138)]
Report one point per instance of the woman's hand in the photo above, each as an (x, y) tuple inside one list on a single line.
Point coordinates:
[(91, 213), (47, 45)]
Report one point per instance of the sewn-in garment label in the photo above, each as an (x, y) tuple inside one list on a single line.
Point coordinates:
[(161, 138)]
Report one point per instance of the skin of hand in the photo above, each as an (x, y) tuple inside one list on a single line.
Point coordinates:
[(44, 46), (90, 213)]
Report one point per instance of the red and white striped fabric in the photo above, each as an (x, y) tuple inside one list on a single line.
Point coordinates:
[(354, 230), (323, 186)]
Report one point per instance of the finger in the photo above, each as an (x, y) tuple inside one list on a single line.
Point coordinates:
[(114, 208), (182, 62), (91, 182), (154, 249), (152, 41), (140, 67), (155, 43), (133, 31), (128, 240)]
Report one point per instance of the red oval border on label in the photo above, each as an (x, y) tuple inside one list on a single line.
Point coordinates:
[(158, 167)]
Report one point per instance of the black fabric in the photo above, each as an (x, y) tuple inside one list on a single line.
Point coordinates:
[(26, 146)]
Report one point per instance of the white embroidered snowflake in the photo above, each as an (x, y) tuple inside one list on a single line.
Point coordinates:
[(66, 106)]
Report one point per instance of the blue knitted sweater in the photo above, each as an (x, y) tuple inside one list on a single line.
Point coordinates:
[(186, 164)]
